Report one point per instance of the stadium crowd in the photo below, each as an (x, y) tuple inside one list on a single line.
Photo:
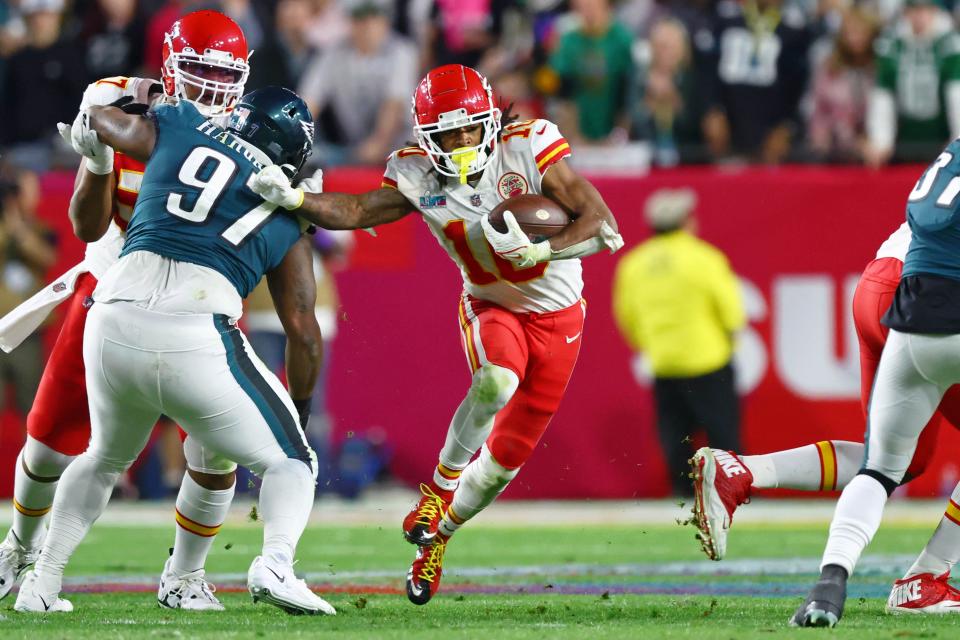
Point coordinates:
[(766, 81)]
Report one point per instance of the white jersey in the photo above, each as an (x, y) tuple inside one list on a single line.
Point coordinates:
[(897, 244), (453, 212), (129, 173)]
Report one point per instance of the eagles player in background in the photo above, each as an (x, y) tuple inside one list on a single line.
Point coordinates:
[(162, 336), (58, 426), (919, 363), (723, 480), (521, 313)]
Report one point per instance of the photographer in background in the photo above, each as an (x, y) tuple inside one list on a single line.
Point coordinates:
[(27, 251)]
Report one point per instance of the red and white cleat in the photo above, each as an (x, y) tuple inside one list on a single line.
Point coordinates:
[(420, 525), (924, 593), (721, 483), (423, 578)]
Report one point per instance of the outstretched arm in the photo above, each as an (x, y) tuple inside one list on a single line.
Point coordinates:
[(332, 210), (134, 135), (294, 292), (348, 211)]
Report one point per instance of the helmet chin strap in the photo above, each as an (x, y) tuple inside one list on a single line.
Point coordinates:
[(464, 159)]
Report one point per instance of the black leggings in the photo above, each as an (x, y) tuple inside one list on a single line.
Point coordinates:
[(685, 405)]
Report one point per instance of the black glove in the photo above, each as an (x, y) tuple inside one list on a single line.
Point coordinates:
[(127, 105), (303, 411)]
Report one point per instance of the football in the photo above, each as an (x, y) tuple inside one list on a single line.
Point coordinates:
[(538, 216)]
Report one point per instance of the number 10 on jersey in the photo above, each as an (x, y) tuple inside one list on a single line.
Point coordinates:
[(456, 232)]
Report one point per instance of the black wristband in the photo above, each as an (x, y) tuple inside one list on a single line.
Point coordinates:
[(303, 410)]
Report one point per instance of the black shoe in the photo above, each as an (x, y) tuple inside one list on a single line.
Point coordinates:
[(824, 606)]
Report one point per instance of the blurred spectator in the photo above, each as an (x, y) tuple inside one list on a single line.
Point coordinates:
[(285, 56), (26, 252), (676, 300), (113, 34), (43, 84), (753, 68), (841, 85), (464, 32), (668, 112), (514, 88), (915, 108), (269, 340), (330, 23), (412, 18), (639, 16), (11, 34), (359, 91), (595, 66)]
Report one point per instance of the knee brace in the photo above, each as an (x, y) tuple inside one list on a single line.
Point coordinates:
[(493, 386), (41, 463), (203, 460)]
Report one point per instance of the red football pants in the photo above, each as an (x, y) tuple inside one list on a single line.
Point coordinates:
[(60, 417), (541, 348), (873, 297)]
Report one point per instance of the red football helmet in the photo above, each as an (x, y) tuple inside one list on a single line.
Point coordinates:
[(450, 97), (207, 51)]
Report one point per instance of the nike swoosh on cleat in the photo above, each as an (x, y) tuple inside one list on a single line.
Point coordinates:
[(415, 588), (570, 339), (282, 580), (46, 607)]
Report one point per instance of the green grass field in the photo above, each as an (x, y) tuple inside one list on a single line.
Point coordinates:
[(575, 581)]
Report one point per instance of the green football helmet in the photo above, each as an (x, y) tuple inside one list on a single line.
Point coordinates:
[(276, 121)]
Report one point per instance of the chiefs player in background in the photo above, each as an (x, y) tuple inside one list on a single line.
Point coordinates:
[(521, 313), (723, 480), (205, 61)]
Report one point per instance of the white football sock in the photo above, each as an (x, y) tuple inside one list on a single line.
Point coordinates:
[(286, 498), (482, 481), (855, 521), (490, 391), (87, 485), (200, 514), (825, 466), (943, 549), (446, 478), (38, 470)]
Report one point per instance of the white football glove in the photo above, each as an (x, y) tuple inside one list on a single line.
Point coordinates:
[(273, 185), (85, 141), (611, 239), (313, 184), (514, 245)]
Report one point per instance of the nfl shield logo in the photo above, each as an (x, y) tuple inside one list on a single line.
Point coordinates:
[(475, 200)]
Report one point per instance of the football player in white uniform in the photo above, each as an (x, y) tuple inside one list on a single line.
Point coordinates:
[(521, 312), (106, 191)]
